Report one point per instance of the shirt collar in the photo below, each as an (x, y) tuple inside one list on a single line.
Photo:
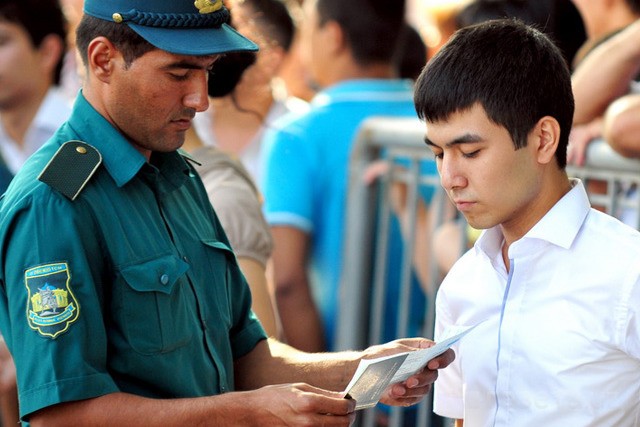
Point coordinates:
[(121, 160), (559, 226), (172, 166)]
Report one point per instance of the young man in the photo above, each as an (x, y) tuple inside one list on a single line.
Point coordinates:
[(552, 283), (120, 298)]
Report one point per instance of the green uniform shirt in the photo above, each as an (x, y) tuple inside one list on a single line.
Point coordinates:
[(131, 287)]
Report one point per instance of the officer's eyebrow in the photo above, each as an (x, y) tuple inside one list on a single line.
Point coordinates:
[(467, 138)]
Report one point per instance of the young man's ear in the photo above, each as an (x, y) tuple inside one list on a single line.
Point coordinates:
[(546, 136)]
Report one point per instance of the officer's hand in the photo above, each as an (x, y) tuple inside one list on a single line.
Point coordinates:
[(301, 405)]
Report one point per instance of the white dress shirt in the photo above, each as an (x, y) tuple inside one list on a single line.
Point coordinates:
[(561, 341)]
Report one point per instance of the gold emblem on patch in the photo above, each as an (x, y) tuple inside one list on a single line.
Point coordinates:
[(207, 6)]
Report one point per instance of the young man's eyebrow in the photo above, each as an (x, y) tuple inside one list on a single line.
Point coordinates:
[(429, 142), (467, 138)]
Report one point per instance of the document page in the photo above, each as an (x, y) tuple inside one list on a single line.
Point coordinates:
[(373, 376)]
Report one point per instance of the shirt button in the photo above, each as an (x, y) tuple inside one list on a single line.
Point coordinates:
[(164, 279)]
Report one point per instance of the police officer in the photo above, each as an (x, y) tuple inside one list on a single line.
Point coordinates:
[(120, 298)]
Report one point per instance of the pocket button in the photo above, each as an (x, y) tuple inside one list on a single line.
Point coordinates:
[(164, 279)]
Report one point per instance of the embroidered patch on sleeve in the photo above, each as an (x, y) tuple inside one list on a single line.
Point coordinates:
[(51, 306)]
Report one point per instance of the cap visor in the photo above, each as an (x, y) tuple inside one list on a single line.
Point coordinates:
[(195, 41)]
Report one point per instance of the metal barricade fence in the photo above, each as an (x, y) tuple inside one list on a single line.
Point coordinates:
[(621, 178), (363, 280), (364, 276)]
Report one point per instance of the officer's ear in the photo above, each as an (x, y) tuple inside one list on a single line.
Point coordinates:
[(101, 55)]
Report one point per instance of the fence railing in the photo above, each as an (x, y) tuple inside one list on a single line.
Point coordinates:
[(365, 274), (615, 179)]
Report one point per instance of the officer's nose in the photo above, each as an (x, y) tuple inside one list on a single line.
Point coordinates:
[(197, 97)]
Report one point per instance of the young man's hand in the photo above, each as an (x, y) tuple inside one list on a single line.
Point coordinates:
[(417, 386)]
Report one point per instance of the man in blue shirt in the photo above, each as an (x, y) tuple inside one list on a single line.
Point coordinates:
[(350, 47)]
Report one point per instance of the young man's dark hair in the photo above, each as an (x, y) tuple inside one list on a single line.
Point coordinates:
[(127, 41), (39, 18), (517, 84), (372, 27)]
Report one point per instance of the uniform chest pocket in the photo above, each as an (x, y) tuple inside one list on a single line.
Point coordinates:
[(155, 314)]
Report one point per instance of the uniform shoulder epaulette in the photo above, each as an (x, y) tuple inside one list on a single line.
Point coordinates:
[(71, 167)]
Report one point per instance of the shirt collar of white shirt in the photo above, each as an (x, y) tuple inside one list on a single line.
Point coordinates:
[(559, 226)]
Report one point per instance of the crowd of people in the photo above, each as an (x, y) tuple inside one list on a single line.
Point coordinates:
[(175, 179)]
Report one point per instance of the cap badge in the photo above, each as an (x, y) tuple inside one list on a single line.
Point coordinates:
[(207, 6)]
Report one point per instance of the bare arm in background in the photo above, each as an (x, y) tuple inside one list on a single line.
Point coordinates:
[(262, 303), (605, 73), (301, 324), (622, 126)]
